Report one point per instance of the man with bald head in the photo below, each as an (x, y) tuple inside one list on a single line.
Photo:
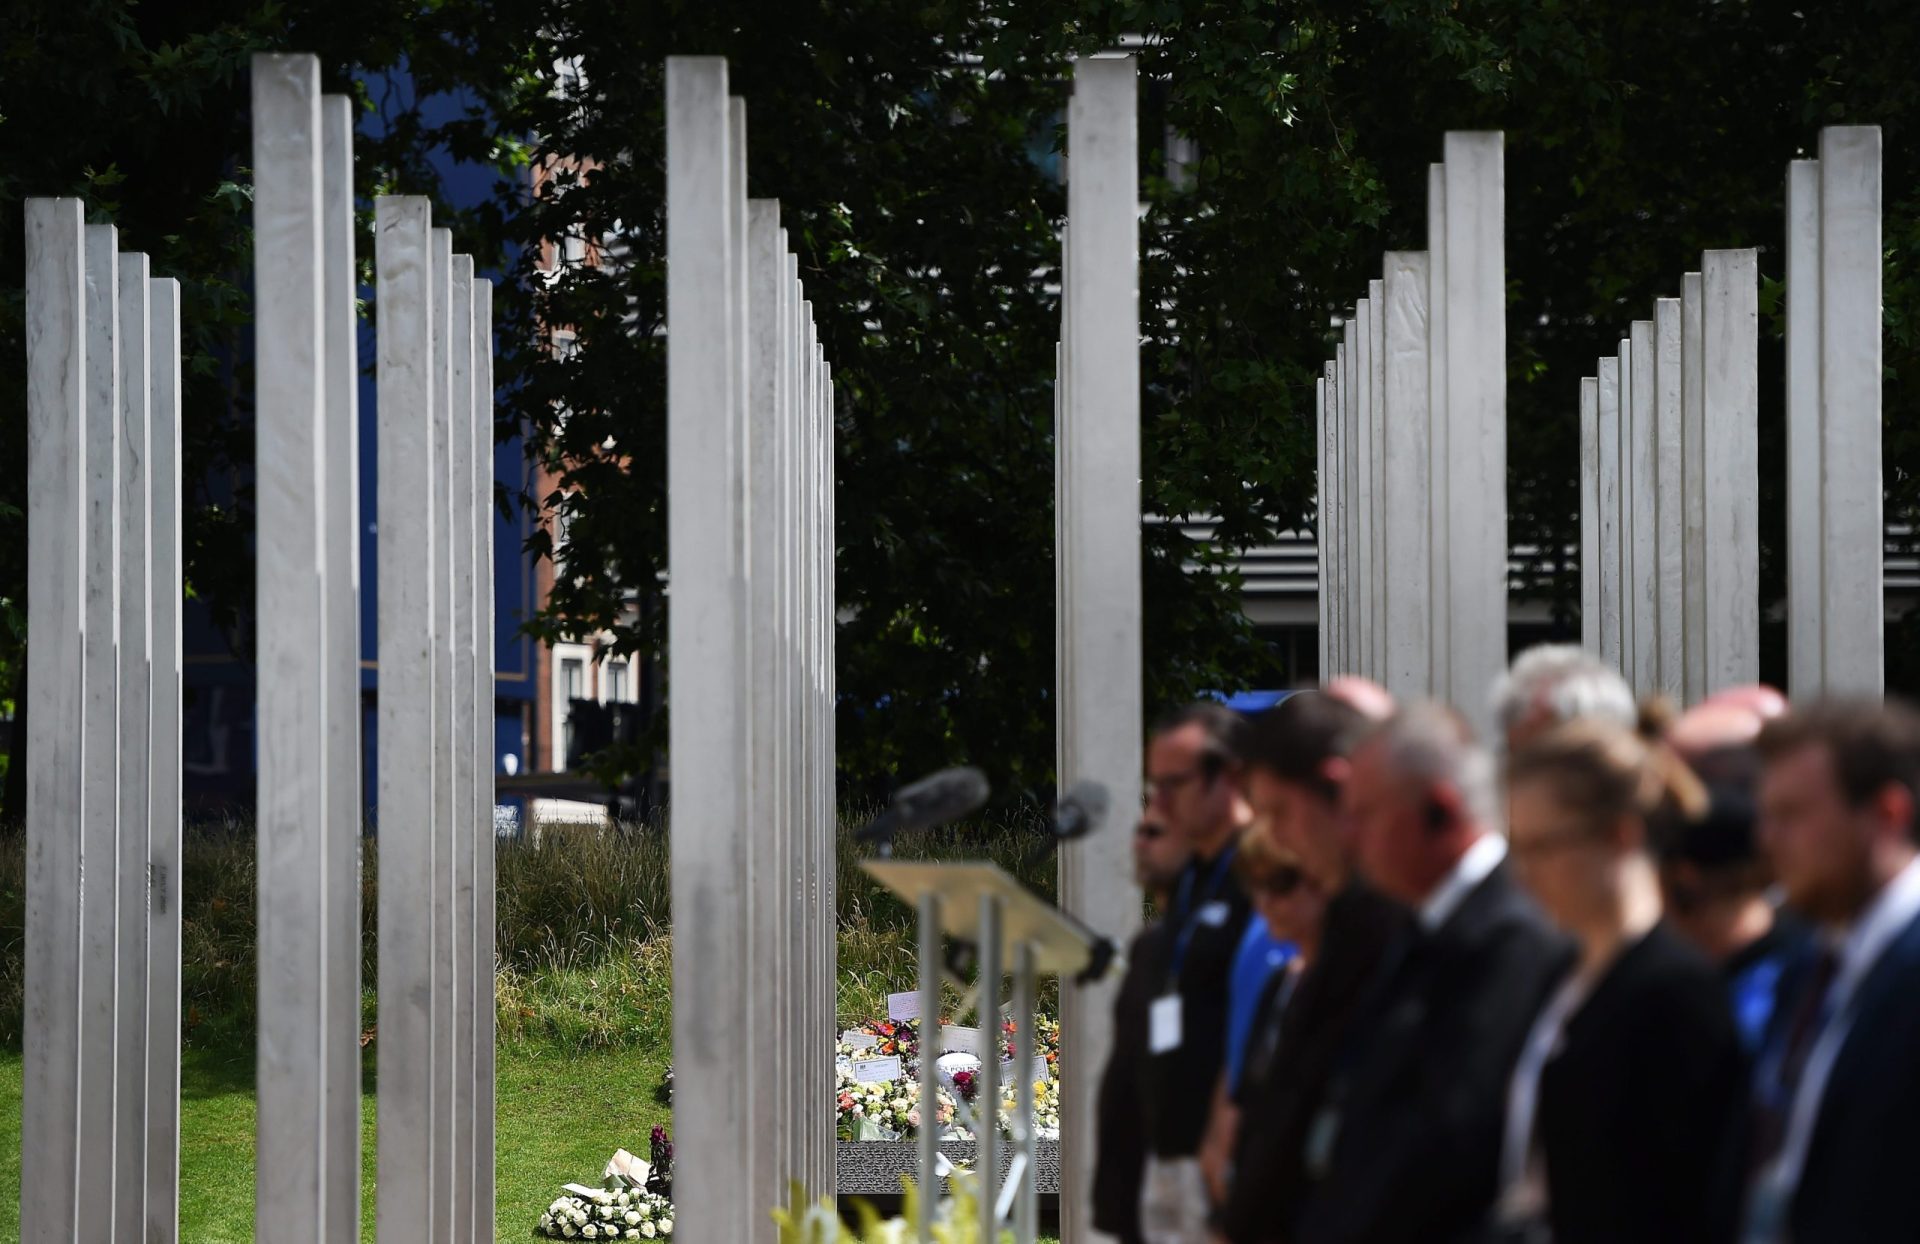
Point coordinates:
[(1406, 1144)]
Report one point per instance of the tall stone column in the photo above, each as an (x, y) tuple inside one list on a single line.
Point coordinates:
[(1405, 448), (446, 778), (706, 639), (134, 754), (1643, 473), (1730, 437), (1373, 326), (163, 898), (1693, 490), (409, 381), (460, 534), (1835, 576), (1439, 522), (1590, 514), (1322, 515), (1360, 393), (340, 553), (99, 828), (1100, 724), (293, 1191), (58, 529), (487, 840), (1669, 498), (1476, 416), (1609, 499), (1353, 450)]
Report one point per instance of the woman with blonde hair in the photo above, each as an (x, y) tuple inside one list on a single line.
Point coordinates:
[(1626, 1110), (1294, 907)]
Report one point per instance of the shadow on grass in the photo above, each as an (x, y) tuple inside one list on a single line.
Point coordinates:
[(208, 1072)]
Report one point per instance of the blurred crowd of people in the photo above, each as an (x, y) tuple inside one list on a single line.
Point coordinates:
[(1624, 976)]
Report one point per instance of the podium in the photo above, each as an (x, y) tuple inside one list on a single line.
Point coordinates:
[(1014, 932)]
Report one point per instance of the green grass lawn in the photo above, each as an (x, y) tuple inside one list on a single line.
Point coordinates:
[(560, 1117)]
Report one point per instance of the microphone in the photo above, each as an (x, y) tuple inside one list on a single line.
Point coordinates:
[(1080, 810), (1078, 814), (933, 800)]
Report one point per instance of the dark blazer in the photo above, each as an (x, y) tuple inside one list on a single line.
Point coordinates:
[(1860, 1183), (1178, 1085), (1280, 1095), (1408, 1142), (1642, 1112), (1121, 1157)]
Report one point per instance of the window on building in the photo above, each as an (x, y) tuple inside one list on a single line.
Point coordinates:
[(619, 682)]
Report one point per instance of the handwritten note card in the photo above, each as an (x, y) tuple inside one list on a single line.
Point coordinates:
[(903, 1005)]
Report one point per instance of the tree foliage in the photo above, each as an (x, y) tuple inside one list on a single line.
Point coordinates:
[(912, 145)]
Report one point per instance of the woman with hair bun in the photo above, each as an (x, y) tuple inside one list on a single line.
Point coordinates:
[(1625, 1118)]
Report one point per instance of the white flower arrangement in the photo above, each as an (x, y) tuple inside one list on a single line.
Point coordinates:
[(890, 1109), (615, 1214), (1046, 1108), (884, 1109)]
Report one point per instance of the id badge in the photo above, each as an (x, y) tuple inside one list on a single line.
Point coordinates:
[(1163, 1025)]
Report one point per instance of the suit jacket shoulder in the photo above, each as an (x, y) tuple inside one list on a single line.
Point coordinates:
[(1420, 1104), (1858, 1181), (1642, 1112)]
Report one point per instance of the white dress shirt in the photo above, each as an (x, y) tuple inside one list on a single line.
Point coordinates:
[(1475, 866)]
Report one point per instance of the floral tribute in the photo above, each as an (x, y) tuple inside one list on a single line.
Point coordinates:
[(890, 1109), (623, 1214)]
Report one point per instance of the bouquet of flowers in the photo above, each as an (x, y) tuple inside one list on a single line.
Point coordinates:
[(1046, 1041), (626, 1214), (660, 1169), (885, 1109), (897, 1036), (875, 1110), (1046, 1109)]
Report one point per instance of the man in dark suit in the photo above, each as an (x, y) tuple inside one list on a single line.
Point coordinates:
[(1837, 1145), (1159, 857), (1406, 1143), (1295, 766), (1193, 764)]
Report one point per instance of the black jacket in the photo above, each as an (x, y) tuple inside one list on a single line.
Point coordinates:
[(1407, 1144), (1280, 1095), (1120, 1162), (1178, 1084), (1642, 1111), (1860, 1183)]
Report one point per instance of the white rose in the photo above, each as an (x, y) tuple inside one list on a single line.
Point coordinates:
[(569, 1231), (590, 1232), (666, 1226), (633, 1233), (632, 1218), (647, 1230)]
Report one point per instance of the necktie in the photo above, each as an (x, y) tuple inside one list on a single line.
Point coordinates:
[(1809, 1017)]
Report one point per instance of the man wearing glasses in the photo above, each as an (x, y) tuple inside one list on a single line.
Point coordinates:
[(1193, 769)]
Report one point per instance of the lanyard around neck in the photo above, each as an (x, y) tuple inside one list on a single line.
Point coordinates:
[(1188, 911)]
